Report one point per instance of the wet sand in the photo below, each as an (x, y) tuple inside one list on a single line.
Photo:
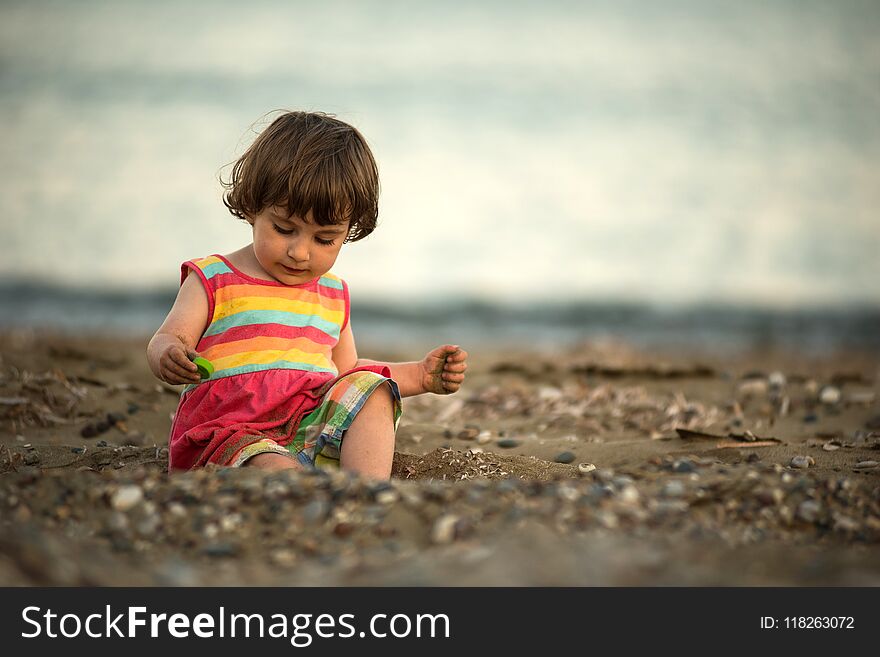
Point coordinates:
[(695, 469)]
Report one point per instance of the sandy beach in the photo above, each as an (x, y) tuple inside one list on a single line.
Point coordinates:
[(594, 465)]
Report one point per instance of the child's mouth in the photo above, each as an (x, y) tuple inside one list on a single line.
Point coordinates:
[(295, 272)]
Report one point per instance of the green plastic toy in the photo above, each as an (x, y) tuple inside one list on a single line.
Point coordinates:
[(206, 368)]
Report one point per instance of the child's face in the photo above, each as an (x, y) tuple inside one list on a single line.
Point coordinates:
[(293, 250)]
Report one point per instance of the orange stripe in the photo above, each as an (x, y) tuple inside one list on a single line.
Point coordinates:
[(264, 344), (232, 291)]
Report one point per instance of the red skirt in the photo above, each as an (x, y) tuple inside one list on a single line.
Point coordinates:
[(217, 418)]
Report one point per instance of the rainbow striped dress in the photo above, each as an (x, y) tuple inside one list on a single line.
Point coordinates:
[(271, 347)]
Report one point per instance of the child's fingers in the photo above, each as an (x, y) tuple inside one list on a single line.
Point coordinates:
[(182, 373), (458, 356), (181, 359), (455, 367), (453, 378)]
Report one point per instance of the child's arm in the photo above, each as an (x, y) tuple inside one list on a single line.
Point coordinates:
[(173, 345), (441, 371)]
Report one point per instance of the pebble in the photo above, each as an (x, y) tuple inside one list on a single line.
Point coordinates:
[(31, 458), (829, 395), (831, 446), (753, 388), (469, 433), (802, 462), (776, 380), (443, 530), (114, 418), (629, 494), (683, 466), (484, 437), (585, 468), (867, 464), (673, 488), (387, 496), (126, 497), (808, 510), (95, 428), (316, 511), (508, 443), (564, 457), (809, 418)]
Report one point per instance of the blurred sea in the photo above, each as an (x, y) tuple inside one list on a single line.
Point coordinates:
[(624, 162), (483, 325)]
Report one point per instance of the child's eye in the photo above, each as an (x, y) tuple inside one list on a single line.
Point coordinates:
[(324, 242), (279, 229)]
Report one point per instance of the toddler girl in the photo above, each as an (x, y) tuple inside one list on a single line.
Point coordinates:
[(288, 389)]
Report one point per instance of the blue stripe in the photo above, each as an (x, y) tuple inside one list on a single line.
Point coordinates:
[(251, 317), (216, 268), (326, 281)]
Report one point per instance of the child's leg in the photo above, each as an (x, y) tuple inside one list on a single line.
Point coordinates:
[(368, 447), (270, 461)]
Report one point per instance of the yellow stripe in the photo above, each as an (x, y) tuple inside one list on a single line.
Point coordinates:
[(204, 262), (270, 356), (242, 304)]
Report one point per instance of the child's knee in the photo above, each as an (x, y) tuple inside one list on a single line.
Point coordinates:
[(381, 396)]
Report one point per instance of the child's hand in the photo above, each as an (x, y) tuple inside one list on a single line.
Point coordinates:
[(443, 369), (176, 367)]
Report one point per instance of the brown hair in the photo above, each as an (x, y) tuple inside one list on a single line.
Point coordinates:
[(308, 161)]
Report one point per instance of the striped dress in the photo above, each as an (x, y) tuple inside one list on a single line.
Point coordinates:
[(271, 346)]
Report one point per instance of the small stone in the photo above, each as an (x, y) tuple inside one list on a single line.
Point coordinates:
[(564, 457), (484, 437), (801, 462), (673, 488), (829, 395), (683, 466), (77, 450), (113, 418), (585, 468), (101, 443), (866, 464), (388, 496), (776, 380), (469, 433), (629, 494), (443, 530), (508, 443), (808, 510), (753, 388), (753, 457), (844, 523), (31, 458), (316, 511), (809, 418), (133, 408), (126, 497), (831, 446)]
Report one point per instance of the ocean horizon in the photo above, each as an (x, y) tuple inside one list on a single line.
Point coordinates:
[(478, 323)]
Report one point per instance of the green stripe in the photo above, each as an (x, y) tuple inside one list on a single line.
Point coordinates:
[(326, 281), (283, 317)]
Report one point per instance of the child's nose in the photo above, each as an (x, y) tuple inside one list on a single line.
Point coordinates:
[(299, 250)]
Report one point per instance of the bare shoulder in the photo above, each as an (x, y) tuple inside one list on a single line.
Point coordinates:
[(245, 261)]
